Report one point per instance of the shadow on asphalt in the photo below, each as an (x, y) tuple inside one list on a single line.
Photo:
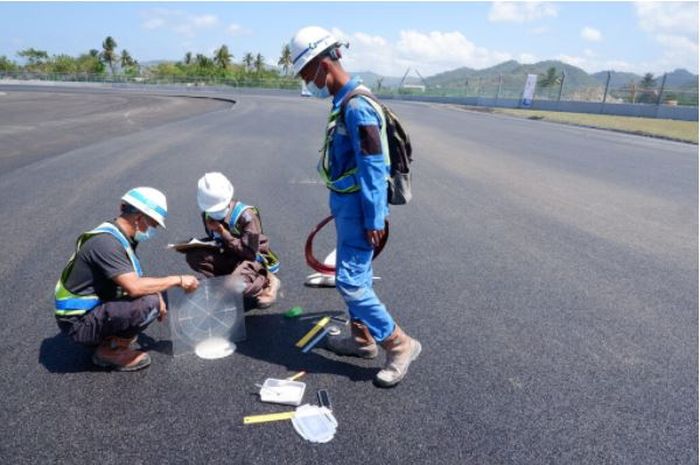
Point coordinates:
[(59, 354), (271, 338)]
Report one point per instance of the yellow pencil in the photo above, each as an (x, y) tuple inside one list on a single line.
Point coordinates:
[(317, 327), (297, 376), (268, 417)]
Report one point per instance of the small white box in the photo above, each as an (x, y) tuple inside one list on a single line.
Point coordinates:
[(282, 391)]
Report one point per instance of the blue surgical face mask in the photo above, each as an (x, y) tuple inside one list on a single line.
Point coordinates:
[(318, 92), (144, 236)]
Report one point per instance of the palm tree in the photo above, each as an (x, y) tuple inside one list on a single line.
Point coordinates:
[(125, 60), (203, 61), (551, 78), (259, 63), (108, 52), (188, 58), (285, 60), (647, 91), (222, 57), (35, 58), (648, 81), (248, 60)]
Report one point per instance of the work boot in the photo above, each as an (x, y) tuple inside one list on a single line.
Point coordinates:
[(115, 353), (401, 350), (268, 295), (359, 343)]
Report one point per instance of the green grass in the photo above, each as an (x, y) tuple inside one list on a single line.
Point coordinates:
[(686, 131)]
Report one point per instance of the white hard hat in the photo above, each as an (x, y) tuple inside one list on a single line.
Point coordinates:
[(214, 192), (308, 43), (149, 201)]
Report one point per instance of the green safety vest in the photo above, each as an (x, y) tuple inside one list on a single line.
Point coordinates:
[(69, 304), (268, 259), (347, 182)]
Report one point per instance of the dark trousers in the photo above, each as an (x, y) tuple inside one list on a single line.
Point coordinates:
[(121, 318), (214, 263)]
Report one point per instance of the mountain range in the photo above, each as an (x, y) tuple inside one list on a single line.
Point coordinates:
[(514, 72)]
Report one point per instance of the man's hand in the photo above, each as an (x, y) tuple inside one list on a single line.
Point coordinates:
[(189, 283), (215, 226), (163, 308), (375, 236)]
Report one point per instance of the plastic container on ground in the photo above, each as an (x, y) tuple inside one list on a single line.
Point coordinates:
[(282, 391), (208, 321)]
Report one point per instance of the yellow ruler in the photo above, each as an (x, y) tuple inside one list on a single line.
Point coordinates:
[(269, 417), (317, 327)]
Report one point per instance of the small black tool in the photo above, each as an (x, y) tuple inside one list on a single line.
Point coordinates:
[(324, 400)]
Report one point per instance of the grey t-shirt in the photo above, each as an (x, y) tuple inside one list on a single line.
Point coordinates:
[(99, 261)]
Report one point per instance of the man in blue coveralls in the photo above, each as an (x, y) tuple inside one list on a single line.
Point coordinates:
[(354, 168)]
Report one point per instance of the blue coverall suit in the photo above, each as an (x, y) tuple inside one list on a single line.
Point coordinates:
[(357, 144)]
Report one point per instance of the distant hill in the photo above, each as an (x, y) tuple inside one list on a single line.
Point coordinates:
[(681, 78), (678, 79), (370, 79), (618, 80), (450, 78), (513, 72), (148, 64)]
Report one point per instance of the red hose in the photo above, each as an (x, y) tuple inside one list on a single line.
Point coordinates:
[(328, 269)]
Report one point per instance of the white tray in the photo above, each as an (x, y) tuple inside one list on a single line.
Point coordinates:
[(282, 391)]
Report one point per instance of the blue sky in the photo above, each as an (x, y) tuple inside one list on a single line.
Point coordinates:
[(386, 38)]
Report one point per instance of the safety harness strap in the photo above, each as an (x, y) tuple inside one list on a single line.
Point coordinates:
[(347, 182)]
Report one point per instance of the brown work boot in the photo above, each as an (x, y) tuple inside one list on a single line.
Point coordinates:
[(268, 295), (359, 343), (115, 353), (401, 350)]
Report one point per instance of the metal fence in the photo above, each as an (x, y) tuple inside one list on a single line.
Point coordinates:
[(511, 87), (503, 91)]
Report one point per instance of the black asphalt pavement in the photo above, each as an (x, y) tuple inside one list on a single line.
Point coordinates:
[(551, 273)]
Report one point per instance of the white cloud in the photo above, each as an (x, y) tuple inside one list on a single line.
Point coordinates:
[(592, 64), (678, 18), (679, 43), (153, 23), (527, 58), (178, 21), (538, 31), (237, 30), (429, 53), (674, 26), (521, 12), (204, 21), (590, 34)]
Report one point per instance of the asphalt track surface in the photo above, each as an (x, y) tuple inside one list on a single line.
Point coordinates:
[(551, 273)]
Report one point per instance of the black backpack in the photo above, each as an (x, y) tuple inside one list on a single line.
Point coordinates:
[(400, 151)]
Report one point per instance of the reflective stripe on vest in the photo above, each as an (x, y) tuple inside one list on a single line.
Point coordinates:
[(236, 214), (347, 182), (68, 303), (269, 259)]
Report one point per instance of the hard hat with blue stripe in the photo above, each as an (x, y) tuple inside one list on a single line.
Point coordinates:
[(308, 43), (150, 201)]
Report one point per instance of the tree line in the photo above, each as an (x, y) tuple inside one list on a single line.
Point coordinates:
[(108, 60)]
